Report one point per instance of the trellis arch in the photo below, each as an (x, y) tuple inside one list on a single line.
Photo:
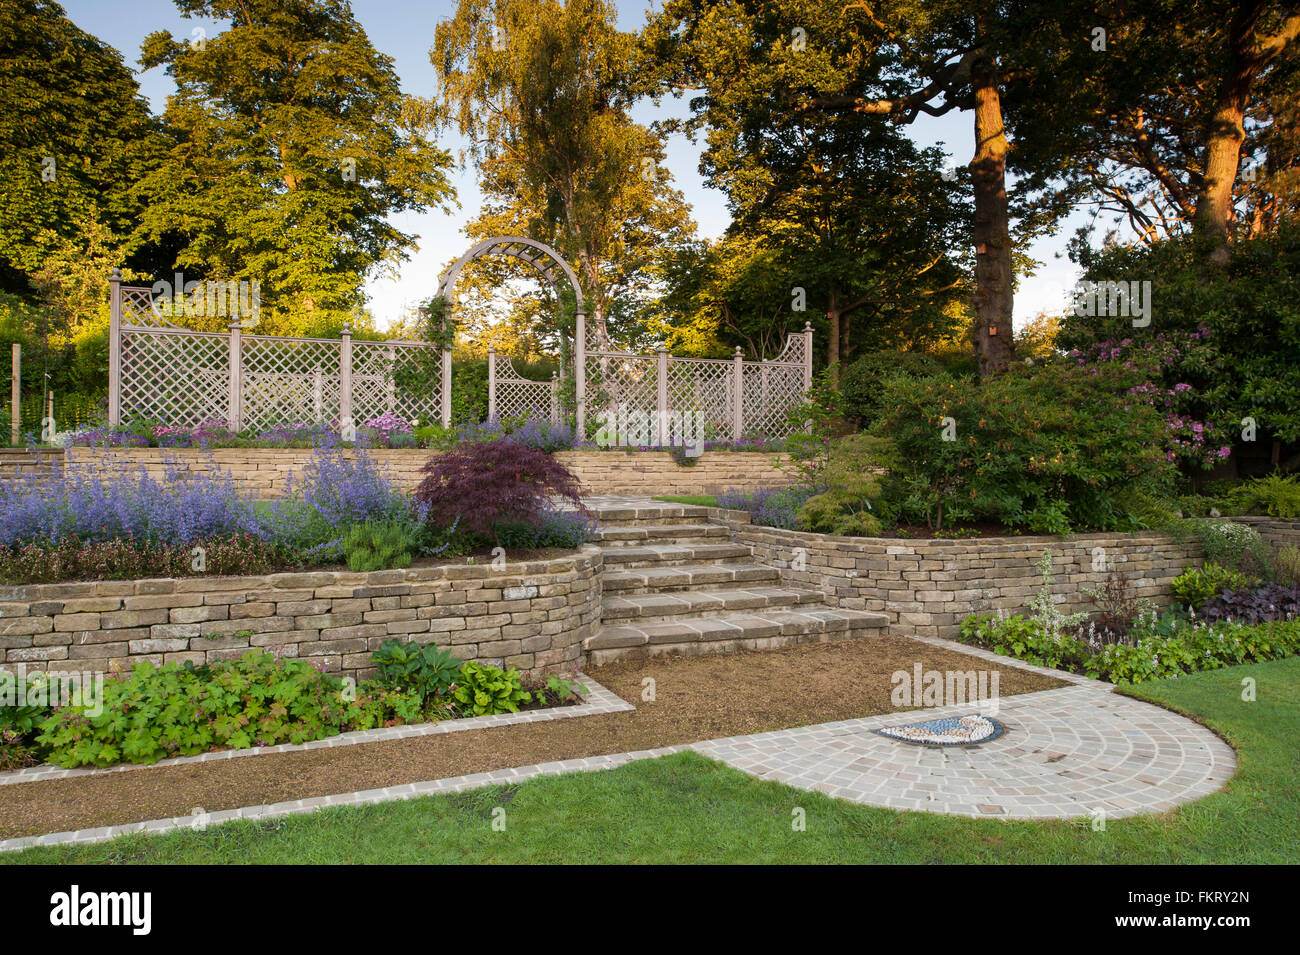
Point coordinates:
[(552, 267)]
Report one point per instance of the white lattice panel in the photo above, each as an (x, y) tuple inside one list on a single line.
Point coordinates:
[(288, 381), (517, 396), (771, 392), (179, 378), (704, 389), (623, 380)]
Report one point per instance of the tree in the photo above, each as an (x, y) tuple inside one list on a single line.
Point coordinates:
[(75, 135), (541, 90), (839, 203), (292, 147)]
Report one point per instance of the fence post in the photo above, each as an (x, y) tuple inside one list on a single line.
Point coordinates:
[(318, 395), (580, 373), (807, 355), (345, 379), (492, 383), (115, 347), (392, 384), (234, 411), (738, 408), (15, 395), (661, 404), (555, 397), (446, 387)]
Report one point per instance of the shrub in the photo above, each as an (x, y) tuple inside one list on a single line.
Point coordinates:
[(1254, 604), (377, 546), (1195, 585), (844, 508), (1052, 447), (425, 670), (770, 507), (1274, 495), (484, 690), (862, 384), (72, 559), (174, 710), (1231, 545), (1286, 564), (484, 485), (563, 529)]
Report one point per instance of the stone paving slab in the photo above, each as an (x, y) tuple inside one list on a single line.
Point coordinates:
[(1068, 752)]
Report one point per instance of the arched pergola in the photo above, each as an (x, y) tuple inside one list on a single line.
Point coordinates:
[(552, 267)]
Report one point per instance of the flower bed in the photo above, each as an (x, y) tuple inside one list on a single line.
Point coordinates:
[(155, 712)]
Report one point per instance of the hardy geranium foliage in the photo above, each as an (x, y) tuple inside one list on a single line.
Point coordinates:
[(486, 484)]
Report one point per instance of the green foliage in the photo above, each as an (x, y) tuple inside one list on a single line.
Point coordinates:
[(862, 385), (1165, 648), (1246, 319), (378, 545), (181, 710), (1195, 585), (485, 690), (851, 480), (1234, 546), (423, 669), (1275, 495), (813, 424), (1051, 448), (300, 173), (1043, 608)]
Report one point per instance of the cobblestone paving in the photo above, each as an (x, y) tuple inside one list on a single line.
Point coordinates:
[(1073, 751)]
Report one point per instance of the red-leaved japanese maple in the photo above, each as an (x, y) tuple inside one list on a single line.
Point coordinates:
[(483, 484)]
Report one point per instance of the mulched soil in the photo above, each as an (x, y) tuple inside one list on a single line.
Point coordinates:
[(697, 698)]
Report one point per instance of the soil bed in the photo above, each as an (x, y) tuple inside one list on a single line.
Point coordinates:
[(696, 698)]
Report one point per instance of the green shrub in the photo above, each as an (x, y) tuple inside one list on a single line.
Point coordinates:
[(1275, 496), (1229, 544), (175, 710), (485, 690), (862, 384), (1195, 585), (851, 481), (425, 670), (378, 546), (1054, 447)]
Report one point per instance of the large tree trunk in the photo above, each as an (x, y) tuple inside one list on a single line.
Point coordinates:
[(1214, 212), (993, 290)]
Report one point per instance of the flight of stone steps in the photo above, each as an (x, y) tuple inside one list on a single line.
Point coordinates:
[(675, 583)]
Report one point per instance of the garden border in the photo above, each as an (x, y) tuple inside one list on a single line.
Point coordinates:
[(596, 701)]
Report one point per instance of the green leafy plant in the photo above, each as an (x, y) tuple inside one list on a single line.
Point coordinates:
[(378, 545), (1231, 545), (1195, 585), (852, 480), (1275, 496), (485, 690), (424, 669)]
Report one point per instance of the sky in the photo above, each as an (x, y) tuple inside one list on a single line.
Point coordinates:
[(403, 29)]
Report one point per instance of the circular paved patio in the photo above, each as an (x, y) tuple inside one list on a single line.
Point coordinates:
[(1075, 751)]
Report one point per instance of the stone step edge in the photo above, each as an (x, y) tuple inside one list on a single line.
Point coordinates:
[(735, 626)]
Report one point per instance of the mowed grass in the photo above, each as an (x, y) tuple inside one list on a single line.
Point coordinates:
[(685, 808), (695, 500)]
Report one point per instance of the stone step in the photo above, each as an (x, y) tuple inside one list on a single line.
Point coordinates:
[(649, 512), (653, 580), (632, 557), (736, 631), (666, 533), (639, 609), (662, 520)]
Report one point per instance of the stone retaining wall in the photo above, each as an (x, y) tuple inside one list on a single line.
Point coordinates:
[(265, 471), (1273, 530), (18, 462), (927, 587), (532, 616)]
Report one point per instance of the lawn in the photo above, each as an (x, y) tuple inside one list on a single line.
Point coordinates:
[(688, 809), (695, 500)]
